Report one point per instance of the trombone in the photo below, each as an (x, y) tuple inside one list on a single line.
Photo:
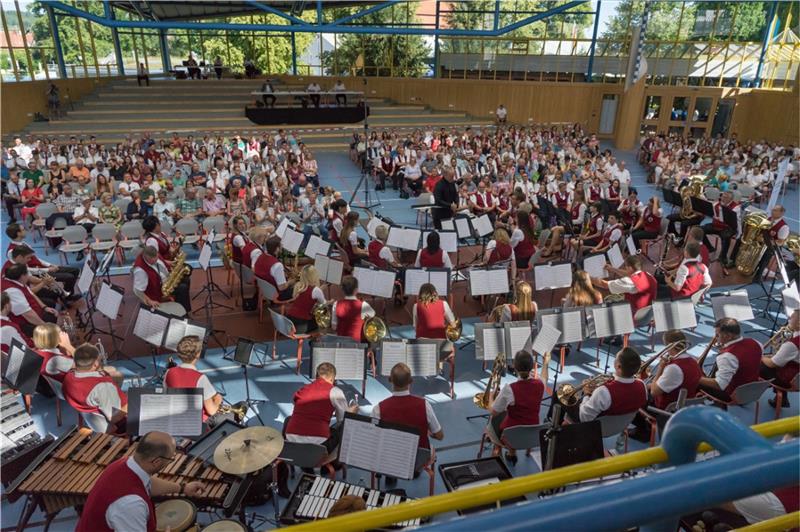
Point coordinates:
[(567, 394), (664, 356), (702, 358)]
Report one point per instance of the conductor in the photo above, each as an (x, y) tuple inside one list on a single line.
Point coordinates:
[(445, 198)]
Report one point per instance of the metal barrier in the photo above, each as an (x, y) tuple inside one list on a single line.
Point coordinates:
[(782, 462)]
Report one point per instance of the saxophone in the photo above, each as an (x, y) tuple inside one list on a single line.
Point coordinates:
[(179, 270), (753, 245), (484, 399)]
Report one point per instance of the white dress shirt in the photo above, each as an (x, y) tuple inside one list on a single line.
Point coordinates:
[(600, 401), (57, 364), (8, 334), (787, 352), (204, 383), (449, 317), (140, 278), (433, 422), (103, 396), (130, 513), (672, 377), (727, 365), (505, 398)]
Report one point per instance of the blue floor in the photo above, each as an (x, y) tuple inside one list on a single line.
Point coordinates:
[(276, 382)]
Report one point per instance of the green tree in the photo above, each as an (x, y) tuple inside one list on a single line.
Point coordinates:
[(668, 21)]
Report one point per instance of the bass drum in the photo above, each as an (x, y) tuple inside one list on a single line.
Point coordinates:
[(173, 309), (225, 525), (176, 515)]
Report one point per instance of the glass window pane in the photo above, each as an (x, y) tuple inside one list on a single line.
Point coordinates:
[(680, 107), (702, 109), (652, 107)]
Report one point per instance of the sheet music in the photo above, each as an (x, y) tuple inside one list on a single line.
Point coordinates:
[(398, 453), (440, 279), (349, 363), (378, 283), (392, 352), (615, 256), (150, 326), (285, 222), (570, 323), (487, 282), (330, 270), (210, 236), (448, 225), (735, 304), (482, 225), (175, 414), (178, 329), (594, 265), (415, 278), (518, 337), (631, 245), (612, 320), (546, 340), (323, 353), (462, 228), (87, 276), (403, 238), (447, 239), (493, 342), (205, 256), (791, 299), (373, 224), (15, 359), (108, 301), (674, 315), (316, 246), (292, 241), (423, 358), (359, 445), (551, 276)]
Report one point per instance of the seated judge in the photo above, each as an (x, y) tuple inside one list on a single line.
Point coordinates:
[(638, 286), (90, 390), (306, 293), (10, 330), (149, 274), (432, 255), (431, 316), (623, 395), (314, 404), (269, 268), (185, 375), (348, 314), (784, 363), (518, 403), (738, 360), (27, 310), (122, 498)]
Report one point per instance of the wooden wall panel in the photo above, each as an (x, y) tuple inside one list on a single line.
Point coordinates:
[(765, 114)]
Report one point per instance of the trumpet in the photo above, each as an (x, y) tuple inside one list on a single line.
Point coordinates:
[(780, 336), (49, 281), (664, 355), (567, 394)]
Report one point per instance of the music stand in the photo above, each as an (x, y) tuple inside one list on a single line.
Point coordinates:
[(674, 315), (176, 411), (243, 356), (208, 289), (570, 444), (611, 320), (108, 303), (349, 358), (672, 197), (365, 168), (552, 275), (23, 368), (367, 443)]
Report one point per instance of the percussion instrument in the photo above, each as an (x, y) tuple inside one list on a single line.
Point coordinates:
[(314, 497), (63, 475), (179, 515), (248, 450), (172, 308), (225, 525)]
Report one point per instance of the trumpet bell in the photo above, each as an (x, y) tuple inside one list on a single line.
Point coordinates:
[(453, 330), (374, 330)]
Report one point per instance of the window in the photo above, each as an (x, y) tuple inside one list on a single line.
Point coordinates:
[(680, 107), (702, 109), (652, 107)]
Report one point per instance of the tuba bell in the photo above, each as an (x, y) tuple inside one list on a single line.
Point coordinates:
[(484, 399), (322, 315), (694, 189), (453, 330), (752, 242), (374, 330), (793, 245)]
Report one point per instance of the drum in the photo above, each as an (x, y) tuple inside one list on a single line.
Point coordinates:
[(225, 525), (173, 309), (178, 515)]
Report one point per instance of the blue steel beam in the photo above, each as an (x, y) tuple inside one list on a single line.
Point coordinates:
[(62, 65), (109, 11), (371, 10), (592, 47), (765, 43), (278, 12), (305, 27)]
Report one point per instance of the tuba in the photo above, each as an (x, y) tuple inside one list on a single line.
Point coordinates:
[(568, 394), (793, 245), (453, 330), (483, 400), (752, 242), (322, 315), (374, 330), (179, 270)]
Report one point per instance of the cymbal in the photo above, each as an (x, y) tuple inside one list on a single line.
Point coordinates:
[(248, 450)]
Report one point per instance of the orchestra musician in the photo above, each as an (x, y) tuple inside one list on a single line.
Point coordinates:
[(611, 234), (378, 253), (68, 275), (90, 390), (27, 310), (648, 225), (691, 276), (338, 212), (160, 241), (630, 209), (185, 375), (432, 255), (431, 316), (348, 240), (623, 395), (523, 308), (55, 348), (483, 202), (778, 234), (784, 364), (9, 329), (238, 238), (720, 228), (348, 314), (523, 238), (305, 294), (149, 273), (519, 402), (582, 292), (737, 363), (637, 285), (314, 404), (122, 498), (269, 268), (578, 211), (695, 234), (591, 235), (48, 291), (695, 218)]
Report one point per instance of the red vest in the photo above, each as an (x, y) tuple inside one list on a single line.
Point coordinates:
[(593, 224), (348, 318), (262, 267), (483, 200), (8, 322), (576, 211), (312, 410), (562, 200), (179, 377), (6, 265), (787, 373), (748, 352), (652, 223), (46, 356), (693, 282), (407, 410), (646, 287), (33, 262), (77, 390), (301, 306), (500, 252), (776, 227), (625, 397), (525, 248), (29, 297), (705, 256), (789, 497), (333, 234), (163, 244), (606, 240), (718, 222), (430, 320), (116, 481), (613, 194), (236, 252), (630, 213), (691, 380), (374, 248), (245, 253), (527, 400), (595, 194), (154, 285), (431, 260)]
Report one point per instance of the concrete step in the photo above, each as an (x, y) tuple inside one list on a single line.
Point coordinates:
[(142, 111), (143, 103)]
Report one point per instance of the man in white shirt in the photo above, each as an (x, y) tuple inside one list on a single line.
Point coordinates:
[(163, 210), (691, 277), (121, 498), (501, 113), (623, 395), (738, 360), (313, 90), (10, 331), (341, 99), (86, 214), (27, 310), (622, 173)]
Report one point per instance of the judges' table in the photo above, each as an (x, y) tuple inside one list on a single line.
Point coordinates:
[(297, 108)]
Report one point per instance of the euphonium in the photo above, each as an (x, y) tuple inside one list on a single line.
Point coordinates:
[(322, 315), (483, 400), (496, 315), (568, 394), (780, 336), (752, 242), (693, 190), (179, 270), (374, 330), (453, 330)]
